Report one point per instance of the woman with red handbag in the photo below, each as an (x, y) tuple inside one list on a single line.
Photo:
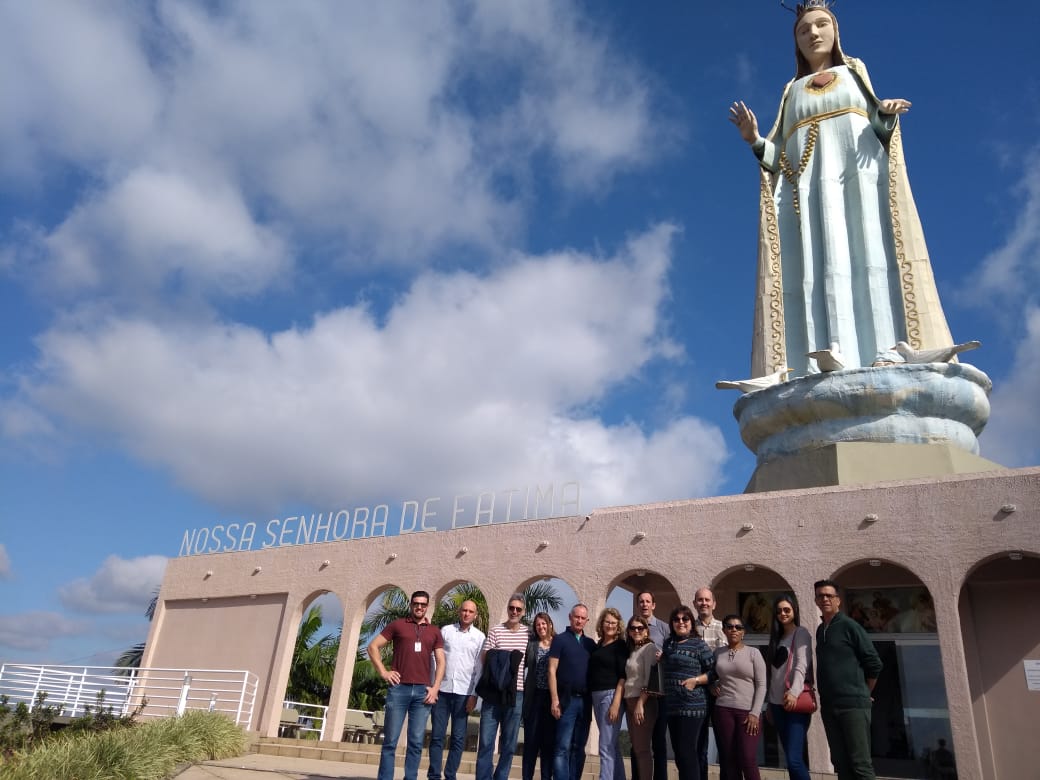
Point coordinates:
[(791, 696)]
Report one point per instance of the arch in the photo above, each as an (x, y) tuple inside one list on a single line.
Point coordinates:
[(748, 590), (632, 582), (999, 592), (898, 611)]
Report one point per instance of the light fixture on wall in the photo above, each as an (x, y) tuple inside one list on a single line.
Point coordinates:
[(204, 599), (640, 572), (871, 518), (207, 575), (640, 535), (325, 564), (258, 569), (1015, 556), (543, 544), (1007, 509), (463, 550), (252, 596), (874, 562), (747, 527), (393, 556), (749, 567)]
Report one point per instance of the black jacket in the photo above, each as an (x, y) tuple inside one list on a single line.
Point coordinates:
[(498, 680)]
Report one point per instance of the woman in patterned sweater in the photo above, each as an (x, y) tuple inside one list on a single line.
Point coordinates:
[(689, 668)]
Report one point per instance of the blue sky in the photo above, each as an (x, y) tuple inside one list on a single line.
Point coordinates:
[(262, 259)]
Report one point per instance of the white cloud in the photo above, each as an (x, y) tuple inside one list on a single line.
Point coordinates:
[(120, 585), (35, 630), (473, 381), (6, 572), (153, 225), (391, 130), (1015, 266), (1012, 436)]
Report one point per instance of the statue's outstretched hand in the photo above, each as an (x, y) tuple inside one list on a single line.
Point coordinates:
[(894, 106), (744, 118)]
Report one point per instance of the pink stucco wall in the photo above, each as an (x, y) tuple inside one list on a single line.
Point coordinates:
[(935, 531)]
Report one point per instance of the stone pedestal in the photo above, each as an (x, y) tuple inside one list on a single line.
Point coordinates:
[(865, 425)]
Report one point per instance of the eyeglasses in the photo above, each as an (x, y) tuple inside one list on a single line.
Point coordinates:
[(733, 627), (826, 596), (515, 609), (423, 604), (682, 619), (784, 611), (637, 628)]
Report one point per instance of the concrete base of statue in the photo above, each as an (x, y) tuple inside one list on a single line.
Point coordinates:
[(943, 404)]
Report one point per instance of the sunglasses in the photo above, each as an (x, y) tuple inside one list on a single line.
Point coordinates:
[(637, 628), (515, 609), (733, 627), (423, 604), (784, 611), (682, 619)]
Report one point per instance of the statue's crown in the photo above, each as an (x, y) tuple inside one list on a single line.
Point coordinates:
[(809, 5)]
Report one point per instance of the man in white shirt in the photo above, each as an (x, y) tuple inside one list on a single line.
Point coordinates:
[(463, 643)]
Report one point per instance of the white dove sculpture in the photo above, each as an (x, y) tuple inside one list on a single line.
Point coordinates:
[(828, 359), (940, 355), (758, 383)]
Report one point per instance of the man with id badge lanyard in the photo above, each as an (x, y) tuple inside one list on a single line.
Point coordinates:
[(416, 642)]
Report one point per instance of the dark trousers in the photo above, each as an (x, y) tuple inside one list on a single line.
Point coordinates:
[(702, 756), (738, 750), (686, 733), (539, 735), (848, 736)]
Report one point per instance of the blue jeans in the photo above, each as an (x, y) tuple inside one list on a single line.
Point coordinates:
[(611, 764), (450, 707), (493, 717), (572, 732), (403, 700), (791, 728)]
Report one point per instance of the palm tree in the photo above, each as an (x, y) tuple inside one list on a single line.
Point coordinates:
[(131, 659), (540, 597), (313, 662)]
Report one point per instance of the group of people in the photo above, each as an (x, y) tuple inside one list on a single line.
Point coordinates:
[(669, 680)]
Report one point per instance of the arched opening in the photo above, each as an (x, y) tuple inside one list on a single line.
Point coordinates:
[(626, 589), (1000, 628), (910, 713), (749, 591), (313, 667)]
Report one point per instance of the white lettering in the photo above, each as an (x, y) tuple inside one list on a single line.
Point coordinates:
[(509, 506), (414, 506), (456, 510), (271, 525), (573, 502), (214, 540), (323, 524), (377, 523), (489, 512), (361, 522), (232, 541), (426, 512), (304, 531), (286, 530), (201, 540), (345, 514), (538, 496), (188, 541), (246, 542)]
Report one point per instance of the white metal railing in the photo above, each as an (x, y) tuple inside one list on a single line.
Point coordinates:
[(72, 689), (312, 717)]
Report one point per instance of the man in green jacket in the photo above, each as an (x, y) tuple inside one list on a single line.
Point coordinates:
[(847, 667)]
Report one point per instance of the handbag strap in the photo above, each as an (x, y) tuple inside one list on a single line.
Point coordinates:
[(790, 660)]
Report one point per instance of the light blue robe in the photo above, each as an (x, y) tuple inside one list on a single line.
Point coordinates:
[(840, 275)]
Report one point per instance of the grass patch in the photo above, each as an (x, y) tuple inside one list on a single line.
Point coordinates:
[(146, 751)]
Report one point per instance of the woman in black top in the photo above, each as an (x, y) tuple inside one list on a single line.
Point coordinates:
[(539, 724), (606, 683)]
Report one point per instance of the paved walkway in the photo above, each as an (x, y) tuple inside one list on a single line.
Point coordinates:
[(255, 766)]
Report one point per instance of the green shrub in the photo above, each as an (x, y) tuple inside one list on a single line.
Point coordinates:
[(144, 751)]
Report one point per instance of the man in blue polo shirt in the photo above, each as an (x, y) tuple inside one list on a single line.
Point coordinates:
[(569, 696)]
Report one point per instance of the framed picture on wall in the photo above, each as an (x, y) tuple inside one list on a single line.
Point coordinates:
[(902, 610), (756, 609)]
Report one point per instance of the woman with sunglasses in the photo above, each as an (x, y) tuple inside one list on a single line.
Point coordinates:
[(640, 704), (689, 668), (740, 693), (606, 679), (789, 657)]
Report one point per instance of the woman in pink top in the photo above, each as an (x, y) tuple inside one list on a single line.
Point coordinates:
[(739, 695)]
